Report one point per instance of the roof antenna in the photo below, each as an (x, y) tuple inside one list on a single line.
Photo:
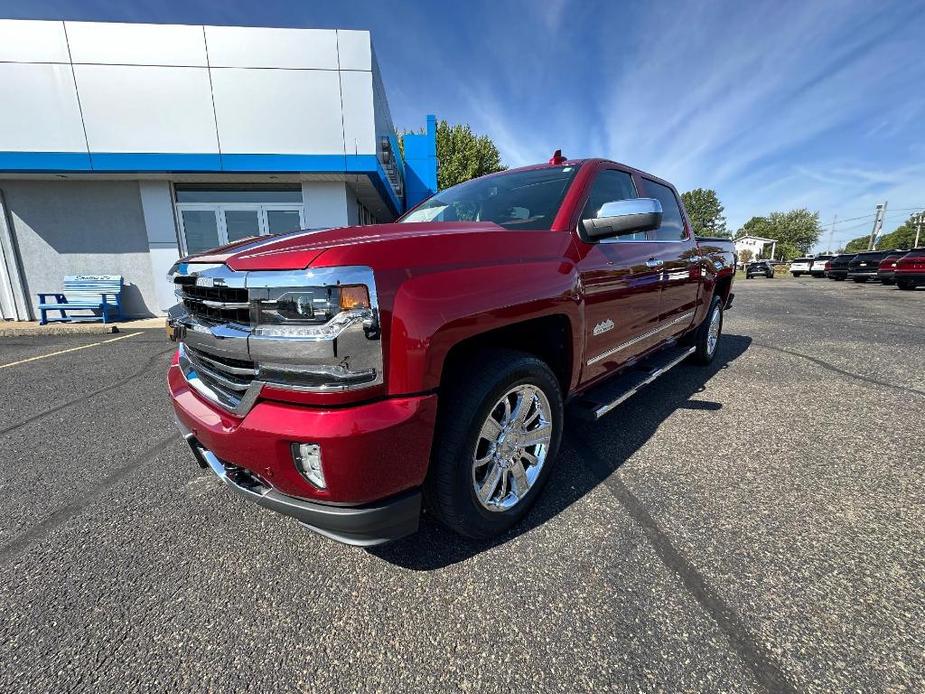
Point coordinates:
[(557, 158)]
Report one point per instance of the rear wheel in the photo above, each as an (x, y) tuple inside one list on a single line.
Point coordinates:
[(887, 282), (707, 336), (497, 440), (905, 284)]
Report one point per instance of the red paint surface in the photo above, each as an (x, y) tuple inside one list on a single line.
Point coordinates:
[(439, 284)]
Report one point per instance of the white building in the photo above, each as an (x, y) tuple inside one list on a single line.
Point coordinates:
[(755, 244), (125, 146)]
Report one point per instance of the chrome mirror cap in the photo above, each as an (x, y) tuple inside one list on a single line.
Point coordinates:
[(621, 217)]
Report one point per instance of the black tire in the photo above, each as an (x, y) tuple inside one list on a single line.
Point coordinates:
[(467, 402), (704, 355), (796, 274), (905, 284), (839, 279), (887, 283)]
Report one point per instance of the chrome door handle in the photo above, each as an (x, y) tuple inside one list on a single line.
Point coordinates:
[(654, 262)]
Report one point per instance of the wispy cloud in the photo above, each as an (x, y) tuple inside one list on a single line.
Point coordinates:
[(774, 105)]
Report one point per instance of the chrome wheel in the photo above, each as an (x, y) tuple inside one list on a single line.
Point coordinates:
[(716, 321), (512, 447)]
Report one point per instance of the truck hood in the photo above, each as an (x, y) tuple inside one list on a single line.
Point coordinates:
[(298, 250)]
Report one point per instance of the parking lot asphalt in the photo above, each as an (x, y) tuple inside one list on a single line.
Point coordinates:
[(757, 525)]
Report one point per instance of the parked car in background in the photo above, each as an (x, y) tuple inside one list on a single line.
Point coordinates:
[(760, 268), (909, 272), (863, 267), (800, 266), (817, 269), (886, 271), (837, 267)]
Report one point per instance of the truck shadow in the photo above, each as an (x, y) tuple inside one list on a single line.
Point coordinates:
[(615, 438)]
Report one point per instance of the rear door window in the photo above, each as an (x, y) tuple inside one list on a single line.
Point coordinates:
[(672, 228)]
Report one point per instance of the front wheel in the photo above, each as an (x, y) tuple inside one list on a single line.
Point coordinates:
[(497, 439)]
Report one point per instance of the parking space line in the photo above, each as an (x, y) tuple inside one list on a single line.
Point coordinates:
[(65, 351)]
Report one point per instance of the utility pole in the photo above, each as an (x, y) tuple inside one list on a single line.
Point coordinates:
[(918, 228), (832, 232), (878, 225)]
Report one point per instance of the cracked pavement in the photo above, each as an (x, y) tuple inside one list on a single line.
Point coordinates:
[(758, 525)]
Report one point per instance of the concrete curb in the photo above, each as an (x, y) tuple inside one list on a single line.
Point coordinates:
[(62, 329)]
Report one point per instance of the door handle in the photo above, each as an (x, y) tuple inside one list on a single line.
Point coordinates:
[(654, 262)]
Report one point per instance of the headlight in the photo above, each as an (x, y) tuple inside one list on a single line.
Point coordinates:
[(312, 312)]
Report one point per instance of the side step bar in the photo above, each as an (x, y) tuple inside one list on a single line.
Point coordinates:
[(603, 398)]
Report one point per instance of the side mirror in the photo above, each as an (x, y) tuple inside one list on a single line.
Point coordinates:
[(622, 217)]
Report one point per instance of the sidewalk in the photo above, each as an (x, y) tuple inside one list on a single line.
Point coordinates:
[(17, 328)]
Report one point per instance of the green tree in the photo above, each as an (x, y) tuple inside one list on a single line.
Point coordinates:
[(795, 231), (461, 154), (858, 244), (903, 236), (756, 226), (705, 212)]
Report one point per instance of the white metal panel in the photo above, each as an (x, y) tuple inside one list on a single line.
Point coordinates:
[(160, 226), (136, 44), (325, 204), (147, 109), (278, 111), (40, 111), (32, 41), (354, 49), (359, 118), (279, 48)]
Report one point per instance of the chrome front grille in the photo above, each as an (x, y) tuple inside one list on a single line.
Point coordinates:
[(215, 304), (227, 379), (234, 337)]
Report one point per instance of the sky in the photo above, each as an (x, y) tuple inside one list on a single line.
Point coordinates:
[(775, 105)]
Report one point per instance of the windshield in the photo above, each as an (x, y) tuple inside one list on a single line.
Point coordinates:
[(516, 200)]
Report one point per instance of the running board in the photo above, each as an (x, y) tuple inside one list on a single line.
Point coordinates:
[(603, 398)]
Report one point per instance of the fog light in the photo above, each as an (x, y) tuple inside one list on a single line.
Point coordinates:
[(307, 458)]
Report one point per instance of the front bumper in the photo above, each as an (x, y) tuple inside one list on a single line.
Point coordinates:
[(370, 452), (365, 525)]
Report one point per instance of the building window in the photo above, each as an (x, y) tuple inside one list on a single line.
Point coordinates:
[(214, 216)]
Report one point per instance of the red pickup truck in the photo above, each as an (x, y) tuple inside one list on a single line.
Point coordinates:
[(346, 376)]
